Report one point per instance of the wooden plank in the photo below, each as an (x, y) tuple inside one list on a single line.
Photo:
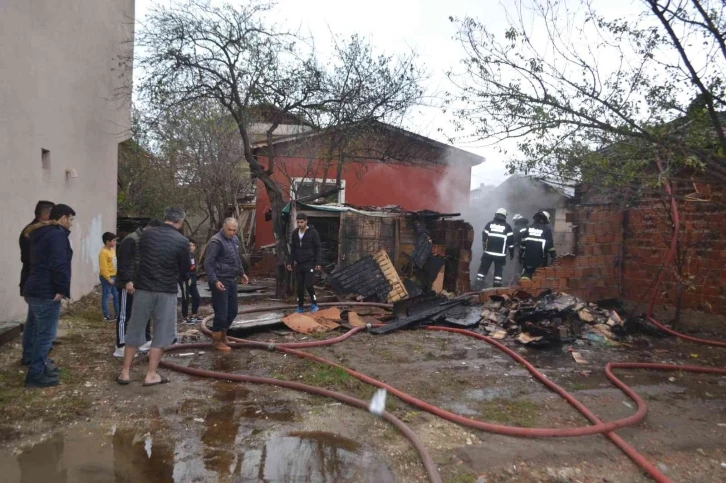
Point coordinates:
[(438, 285)]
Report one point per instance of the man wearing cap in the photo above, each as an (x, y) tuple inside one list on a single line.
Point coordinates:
[(537, 243), (305, 254), (497, 239)]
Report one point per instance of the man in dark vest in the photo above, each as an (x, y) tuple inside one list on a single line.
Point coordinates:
[(224, 266), (305, 253)]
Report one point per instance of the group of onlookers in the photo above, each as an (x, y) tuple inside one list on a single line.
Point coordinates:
[(142, 277), (45, 280)]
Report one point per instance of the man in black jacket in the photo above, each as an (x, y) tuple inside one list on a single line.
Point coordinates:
[(520, 226), (497, 239), (49, 282), (305, 253), (128, 258), (223, 266), (42, 215), (537, 243), (164, 260)]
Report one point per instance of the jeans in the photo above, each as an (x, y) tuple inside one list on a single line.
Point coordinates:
[(28, 337), (189, 290), (224, 304), (108, 289), (45, 313)]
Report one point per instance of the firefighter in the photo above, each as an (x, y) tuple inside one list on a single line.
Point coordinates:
[(497, 239), (536, 245), (520, 226)]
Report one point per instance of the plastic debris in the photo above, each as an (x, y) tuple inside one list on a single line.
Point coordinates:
[(378, 403)]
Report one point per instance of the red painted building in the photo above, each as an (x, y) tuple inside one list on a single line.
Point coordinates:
[(396, 167)]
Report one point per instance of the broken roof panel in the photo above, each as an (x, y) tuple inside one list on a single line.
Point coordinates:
[(382, 211)]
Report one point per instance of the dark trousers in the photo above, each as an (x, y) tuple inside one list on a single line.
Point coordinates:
[(45, 313), (189, 291), (126, 302), (517, 272), (305, 277), (486, 262), (529, 271), (224, 303)]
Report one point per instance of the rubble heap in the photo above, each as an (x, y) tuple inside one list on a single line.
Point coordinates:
[(549, 318)]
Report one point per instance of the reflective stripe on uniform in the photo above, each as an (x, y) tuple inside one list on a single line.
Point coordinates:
[(495, 254)]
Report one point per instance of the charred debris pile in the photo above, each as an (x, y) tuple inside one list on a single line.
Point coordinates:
[(547, 319)]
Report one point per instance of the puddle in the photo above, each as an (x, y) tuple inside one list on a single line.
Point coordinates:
[(130, 455), (83, 457), (313, 457)]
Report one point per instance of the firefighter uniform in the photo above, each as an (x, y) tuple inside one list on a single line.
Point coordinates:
[(497, 239), (520, 226), (536, 245)]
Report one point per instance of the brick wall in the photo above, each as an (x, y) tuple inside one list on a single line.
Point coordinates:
[(702, 213), (592, 273), (618, 254)]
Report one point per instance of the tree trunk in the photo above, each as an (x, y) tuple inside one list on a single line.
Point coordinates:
[(277, 203)]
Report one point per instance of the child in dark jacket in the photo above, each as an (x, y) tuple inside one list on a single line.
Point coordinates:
[(189, 288)]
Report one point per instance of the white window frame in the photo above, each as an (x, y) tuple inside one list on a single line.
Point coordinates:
[(295, 182)]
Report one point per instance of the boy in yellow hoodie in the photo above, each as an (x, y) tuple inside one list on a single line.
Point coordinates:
[(107, 274)]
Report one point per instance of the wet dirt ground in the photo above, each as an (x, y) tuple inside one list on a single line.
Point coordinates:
[(90, 429)]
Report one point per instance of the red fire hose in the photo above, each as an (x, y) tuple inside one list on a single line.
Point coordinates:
[(598, 427)]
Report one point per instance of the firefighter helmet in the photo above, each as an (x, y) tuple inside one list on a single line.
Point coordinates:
[(502, 211)]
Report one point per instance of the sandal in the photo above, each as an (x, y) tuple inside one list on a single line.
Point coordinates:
[(163, 380), (123, 382)]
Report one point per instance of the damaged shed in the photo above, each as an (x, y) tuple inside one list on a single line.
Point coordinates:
[(429, 250)]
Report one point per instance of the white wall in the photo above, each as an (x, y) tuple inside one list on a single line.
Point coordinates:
[(59, 76)]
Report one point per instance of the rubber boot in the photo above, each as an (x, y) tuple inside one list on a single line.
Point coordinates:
[(218, 342), (224, 337)]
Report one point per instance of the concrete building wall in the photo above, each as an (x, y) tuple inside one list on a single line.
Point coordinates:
[(60, 76)]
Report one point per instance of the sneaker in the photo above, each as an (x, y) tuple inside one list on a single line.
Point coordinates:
[(119, 352), (299, 310), (314, 308), (146, 347), (44, 380), (109, 319)]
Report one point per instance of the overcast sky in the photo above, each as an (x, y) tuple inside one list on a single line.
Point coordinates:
[(395, 26)]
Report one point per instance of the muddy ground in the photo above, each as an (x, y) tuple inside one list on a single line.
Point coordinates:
[(90, 429)]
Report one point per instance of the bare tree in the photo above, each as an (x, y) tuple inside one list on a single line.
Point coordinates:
[(566, 82), (203, 142), (146, 181), (630, 105), (234, 56)]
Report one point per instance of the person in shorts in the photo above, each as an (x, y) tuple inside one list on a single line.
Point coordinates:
[(164, 260)]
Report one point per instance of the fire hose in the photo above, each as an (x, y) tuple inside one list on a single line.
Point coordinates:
[(597, 427)]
